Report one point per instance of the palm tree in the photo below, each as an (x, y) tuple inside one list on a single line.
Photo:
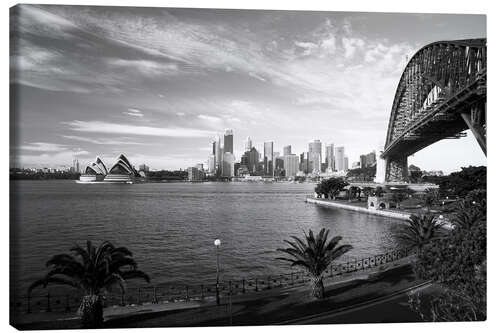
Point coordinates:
[(420, 230), (431, 196), (468, 215), (92, 270), (314, 254)]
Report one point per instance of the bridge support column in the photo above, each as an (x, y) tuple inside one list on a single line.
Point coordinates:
[(476, 120), (396, 169)]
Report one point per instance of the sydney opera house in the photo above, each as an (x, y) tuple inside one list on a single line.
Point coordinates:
[(121, 172)]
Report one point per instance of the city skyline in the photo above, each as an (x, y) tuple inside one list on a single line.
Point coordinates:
[(159, 83)]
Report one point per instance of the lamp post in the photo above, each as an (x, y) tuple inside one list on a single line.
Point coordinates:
[(217, 297)]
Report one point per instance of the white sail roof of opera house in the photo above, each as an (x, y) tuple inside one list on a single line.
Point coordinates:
[(122, 166), (97, 167)]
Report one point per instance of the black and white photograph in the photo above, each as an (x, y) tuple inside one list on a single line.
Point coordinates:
[(201, 167)]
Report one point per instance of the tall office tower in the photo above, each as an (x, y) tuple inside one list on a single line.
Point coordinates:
[(339, 158), (315, 155), (228, 141), (371, 159), (199, 166), (291, 165), (303, 162), (362, 161), (346, 163), (268, 158), (330, 156), (211, 164), (252, 160), (228, 165), (248, 144), (218, 156), (287, 150)]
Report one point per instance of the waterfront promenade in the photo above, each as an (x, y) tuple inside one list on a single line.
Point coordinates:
[(351, 206), (276, 306)]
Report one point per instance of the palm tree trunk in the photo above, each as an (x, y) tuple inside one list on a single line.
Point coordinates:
[(318, 289), (91, 311)]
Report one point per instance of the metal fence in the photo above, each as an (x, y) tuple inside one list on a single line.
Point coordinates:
[(70, 301)]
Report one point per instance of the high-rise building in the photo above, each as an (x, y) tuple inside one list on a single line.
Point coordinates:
[(195, 174), (268, 158), (251, 160), (211, 164), (371, 159), (291, 165), (218, 156), (315, 155), (339, 159), (228, 141), (248, 144), (303, 162), (330, 156), (228, 165), (346, 163), (287, 150)]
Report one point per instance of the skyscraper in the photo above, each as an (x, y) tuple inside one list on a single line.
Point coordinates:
[(339, 159), (228, 141), (346, 163), (228, 165), (218, 156), (291, 165), (252, 160), (315, 155), (330, 156), (268, 158), (287, 150), (248, 144)]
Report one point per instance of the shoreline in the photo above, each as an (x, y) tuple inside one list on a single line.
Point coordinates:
[(385, 213)]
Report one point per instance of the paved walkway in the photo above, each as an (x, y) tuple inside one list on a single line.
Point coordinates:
[(267, 307)]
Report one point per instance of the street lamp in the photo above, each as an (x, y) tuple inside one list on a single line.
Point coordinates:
[(217, 297)]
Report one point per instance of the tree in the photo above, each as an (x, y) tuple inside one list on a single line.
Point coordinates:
[(462, 182), (330, 187), (430, 198), (92, 270), (367, 191), (457, 263), (379, 191), (314, 254), (419, 230)]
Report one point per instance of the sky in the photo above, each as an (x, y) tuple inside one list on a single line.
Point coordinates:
[(158, 84)]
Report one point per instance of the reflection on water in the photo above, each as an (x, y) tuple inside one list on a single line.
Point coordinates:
[(170, 228)]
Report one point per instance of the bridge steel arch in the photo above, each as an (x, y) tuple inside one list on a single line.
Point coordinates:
[(441, 93)]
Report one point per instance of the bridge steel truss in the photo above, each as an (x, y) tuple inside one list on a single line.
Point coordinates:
[(441, 93)]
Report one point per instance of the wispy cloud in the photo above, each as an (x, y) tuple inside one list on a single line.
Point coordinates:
[(101, 141), (209, 118), (134, 113), (114, 128), (44, 146)]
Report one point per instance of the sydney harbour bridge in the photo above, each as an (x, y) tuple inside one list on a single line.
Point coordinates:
[(441, 93)]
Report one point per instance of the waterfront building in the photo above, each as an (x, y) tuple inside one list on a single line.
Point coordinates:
[(356, 165), (195, 174), (291, 165), (121, 172), (228, 165), (94, 171), (346, 163), (218, 156), (143, 167), (268, 158), (339, 159), (287, 150), (199, 166), (228, 141), (251, 160), (248, 144), (315, 155), (330, 156), (368, 160), (211, 164), (303, 163)]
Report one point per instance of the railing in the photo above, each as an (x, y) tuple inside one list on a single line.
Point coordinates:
[(69, 302)]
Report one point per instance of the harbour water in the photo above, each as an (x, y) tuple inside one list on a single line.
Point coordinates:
[(171, 227)]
